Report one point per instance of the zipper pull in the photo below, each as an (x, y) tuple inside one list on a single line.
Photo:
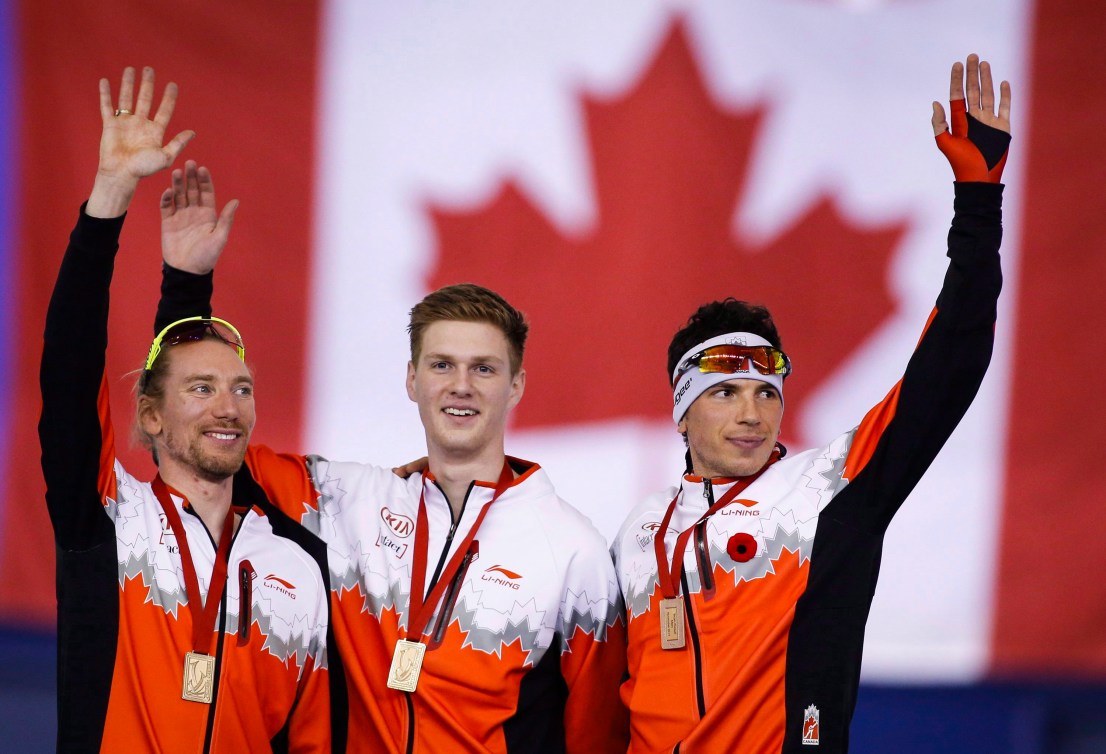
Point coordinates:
[(708, 492)]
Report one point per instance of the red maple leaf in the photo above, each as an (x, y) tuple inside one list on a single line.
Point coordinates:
[(669, 167)]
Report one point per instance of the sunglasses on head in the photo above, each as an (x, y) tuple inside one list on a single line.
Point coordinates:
[(193, 329), (731, 359)]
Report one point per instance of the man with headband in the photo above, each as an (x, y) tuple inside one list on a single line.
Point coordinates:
[(192, 615), (747, 587)]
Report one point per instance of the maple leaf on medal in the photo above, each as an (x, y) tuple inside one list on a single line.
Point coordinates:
[(670, 170)]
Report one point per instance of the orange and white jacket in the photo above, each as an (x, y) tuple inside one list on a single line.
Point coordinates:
[(530, 647), (526, 650), (775, 629), (124, 623)]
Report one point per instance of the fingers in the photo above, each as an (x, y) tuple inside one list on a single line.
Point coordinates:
[(412, 467), (1004, 103), (168, 104), (176, 189), (206, 187), (191, 184), (956, 82), (167, 205), (126, 90), (145, 93), (986, 88), (973, 82), (106, 110), (940, 125)]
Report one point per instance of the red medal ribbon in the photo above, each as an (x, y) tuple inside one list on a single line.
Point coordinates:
[(420, 611), (203, 613), (669, 577)]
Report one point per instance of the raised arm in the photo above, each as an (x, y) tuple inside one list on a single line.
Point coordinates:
[(899, 438), (74, 428)]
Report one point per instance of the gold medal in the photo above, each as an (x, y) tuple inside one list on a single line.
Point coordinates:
[(672, 623), (199, 678), (406, 665)]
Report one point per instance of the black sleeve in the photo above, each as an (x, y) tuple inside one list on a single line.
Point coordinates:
[(72, 369), (183, 294), (946, 369)]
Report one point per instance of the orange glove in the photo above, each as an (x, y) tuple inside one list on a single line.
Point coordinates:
[(976, 151)]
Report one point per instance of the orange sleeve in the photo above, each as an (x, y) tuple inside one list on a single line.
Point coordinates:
[(309, 732), (284, 478), (596, 721)]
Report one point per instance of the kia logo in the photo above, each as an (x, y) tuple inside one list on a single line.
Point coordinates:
[(401, 525)]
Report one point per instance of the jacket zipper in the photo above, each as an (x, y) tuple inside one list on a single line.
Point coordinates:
[(449, 537), (410, 722), (213, 707), (448, 606), (695, 648), (706, 578)]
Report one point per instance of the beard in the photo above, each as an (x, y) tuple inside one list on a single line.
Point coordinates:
[(212, 467)]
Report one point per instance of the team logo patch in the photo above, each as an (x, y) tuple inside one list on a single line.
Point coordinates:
[(497, 574), (810, 726), (645, 541), (287, 588), (401, 525)]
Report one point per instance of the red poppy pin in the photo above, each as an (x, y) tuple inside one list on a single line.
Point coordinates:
[(742, 547)]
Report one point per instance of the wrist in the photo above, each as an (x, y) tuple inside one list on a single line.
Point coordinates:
[(111, 195)]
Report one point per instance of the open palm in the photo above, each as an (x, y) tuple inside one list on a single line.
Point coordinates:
[(193, 233)]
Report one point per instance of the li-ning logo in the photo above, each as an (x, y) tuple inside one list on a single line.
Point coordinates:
[(401, 525), (509, 582), (810, 726), (286, 588)]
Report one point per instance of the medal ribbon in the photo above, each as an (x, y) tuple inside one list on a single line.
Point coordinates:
[(669, 577), (203, 613), (421, 611)]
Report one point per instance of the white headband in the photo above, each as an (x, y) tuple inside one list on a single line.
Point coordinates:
[(694, 383)]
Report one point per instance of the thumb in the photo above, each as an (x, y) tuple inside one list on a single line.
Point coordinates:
[(940, 125), (179, 142), (226, 218)]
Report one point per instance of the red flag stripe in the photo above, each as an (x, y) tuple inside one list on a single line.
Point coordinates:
[(1050, 600), (224, 56)]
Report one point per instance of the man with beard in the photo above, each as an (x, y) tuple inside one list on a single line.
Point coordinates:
[(746, 616), (190, 617)]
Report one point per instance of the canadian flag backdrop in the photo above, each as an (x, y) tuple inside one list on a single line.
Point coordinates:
[(607, 167)]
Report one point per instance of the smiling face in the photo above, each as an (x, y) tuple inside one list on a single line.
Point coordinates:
[(464, 388), (732, 428), (201, 423)]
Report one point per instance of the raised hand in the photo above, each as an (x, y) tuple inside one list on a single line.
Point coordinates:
[(193, 236), (132, 144), (977, 145)]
